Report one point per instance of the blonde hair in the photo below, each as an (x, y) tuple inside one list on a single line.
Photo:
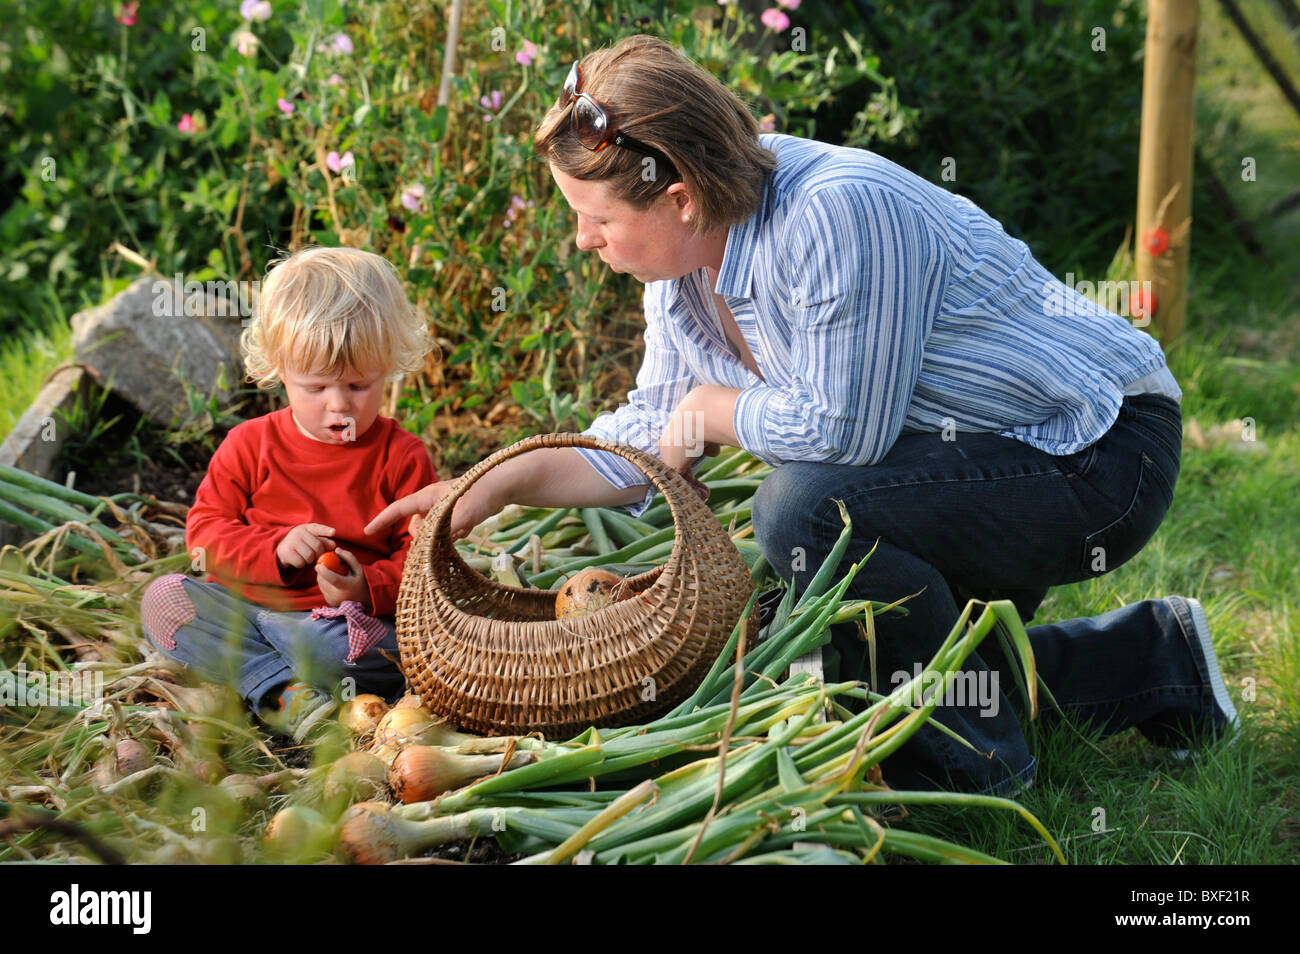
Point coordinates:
[(656, 95), (329, 311)]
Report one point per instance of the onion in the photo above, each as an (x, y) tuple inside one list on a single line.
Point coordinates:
[(591, 590), (362, 714), (245, 790), (297, 831), (370, 834), (131, 757), (409, 701), (356, 775), (400, 724), (252, 791), (407, 726), (422, 772), (105, 771)]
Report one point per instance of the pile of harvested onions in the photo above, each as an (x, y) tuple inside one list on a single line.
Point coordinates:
[(745, 768)]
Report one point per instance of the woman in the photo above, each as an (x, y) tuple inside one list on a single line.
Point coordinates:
[(882, 342)]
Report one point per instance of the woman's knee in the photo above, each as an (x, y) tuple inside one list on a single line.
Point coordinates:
[(786, 510), (165, 608)]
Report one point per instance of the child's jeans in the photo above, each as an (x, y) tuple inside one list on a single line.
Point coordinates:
[(229, 640)]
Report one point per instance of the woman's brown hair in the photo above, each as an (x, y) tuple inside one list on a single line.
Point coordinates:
[(655, 94)]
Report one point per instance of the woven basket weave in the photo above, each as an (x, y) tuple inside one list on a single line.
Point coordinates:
[(494, 660)]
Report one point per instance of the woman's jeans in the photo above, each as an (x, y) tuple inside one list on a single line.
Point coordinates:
[(229, 640), (990, 517)]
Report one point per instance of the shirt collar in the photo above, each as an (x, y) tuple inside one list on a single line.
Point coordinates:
[(736, 277)]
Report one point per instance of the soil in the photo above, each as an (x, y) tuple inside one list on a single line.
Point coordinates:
[(135, 455)]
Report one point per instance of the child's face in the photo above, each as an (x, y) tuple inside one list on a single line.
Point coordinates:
[(334, 410)]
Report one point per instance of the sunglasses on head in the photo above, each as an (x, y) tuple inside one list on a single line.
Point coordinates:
[(593, 127)]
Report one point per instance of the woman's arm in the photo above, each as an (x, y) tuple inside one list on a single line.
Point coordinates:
[(547, 477)]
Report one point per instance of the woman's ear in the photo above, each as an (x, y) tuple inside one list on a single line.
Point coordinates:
[(682, 197)]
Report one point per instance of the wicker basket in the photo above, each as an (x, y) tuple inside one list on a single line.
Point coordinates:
[(494, 660)]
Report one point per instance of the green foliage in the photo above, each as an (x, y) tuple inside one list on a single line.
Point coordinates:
[(204, 143), (1040, 125)]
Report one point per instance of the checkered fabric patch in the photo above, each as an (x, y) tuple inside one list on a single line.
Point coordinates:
[(166, 609), (364, 632)]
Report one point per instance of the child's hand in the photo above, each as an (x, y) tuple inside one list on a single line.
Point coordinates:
[(337, 587), (303, 544)]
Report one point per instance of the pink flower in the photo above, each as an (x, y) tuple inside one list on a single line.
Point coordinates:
[(342, 43), (493, 103), (126, 14), (412, 197), (338, 163), (186, 125), (334, 80), (517, 205), (286, 107), (245, 43), (252, 10), (723, 3), (774, 19), (789, 4), (527, 54)]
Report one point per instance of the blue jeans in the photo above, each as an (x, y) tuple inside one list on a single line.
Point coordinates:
[(990, 517), (229, 640)]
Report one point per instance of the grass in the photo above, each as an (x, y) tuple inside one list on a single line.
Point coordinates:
[(27, 359)]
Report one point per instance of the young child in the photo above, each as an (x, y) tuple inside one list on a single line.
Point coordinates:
[(333, 325)]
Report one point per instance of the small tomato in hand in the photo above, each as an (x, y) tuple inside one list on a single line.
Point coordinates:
[(330, 560)]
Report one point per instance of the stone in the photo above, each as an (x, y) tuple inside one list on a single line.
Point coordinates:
[(158, 333)]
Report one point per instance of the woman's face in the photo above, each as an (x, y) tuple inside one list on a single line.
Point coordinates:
[(334, 410), (651, 244)]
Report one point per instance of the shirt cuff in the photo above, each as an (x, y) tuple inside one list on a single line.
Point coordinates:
[(754, 407), (621, 474)]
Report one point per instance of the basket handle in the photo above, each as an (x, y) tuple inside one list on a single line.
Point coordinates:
[(682, 500)]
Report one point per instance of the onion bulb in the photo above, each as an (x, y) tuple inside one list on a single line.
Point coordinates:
[(362, 714), (131, 757), (400, 725), (409, 701), (591, 590), (354, 776), (422, 772), (371, 834), (297, 832), (245, 790)]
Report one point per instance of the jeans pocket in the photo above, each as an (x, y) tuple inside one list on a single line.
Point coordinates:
[(1120, 540), (1080, 462)]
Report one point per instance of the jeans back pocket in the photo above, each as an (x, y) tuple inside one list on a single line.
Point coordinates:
[(1121, 539)]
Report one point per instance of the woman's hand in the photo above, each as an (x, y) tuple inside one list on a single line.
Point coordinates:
[(337, 588), (684, 439), (472, 508)]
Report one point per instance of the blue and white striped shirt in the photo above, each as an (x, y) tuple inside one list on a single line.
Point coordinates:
[(874, 303)]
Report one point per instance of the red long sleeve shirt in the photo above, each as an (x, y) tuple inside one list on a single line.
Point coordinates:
[(267, 478)]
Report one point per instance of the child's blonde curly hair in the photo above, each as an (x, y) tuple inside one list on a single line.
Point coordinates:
[(331, 311)]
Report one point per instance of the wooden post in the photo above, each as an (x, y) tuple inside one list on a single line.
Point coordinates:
[(1165, 155), (449, 55)]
